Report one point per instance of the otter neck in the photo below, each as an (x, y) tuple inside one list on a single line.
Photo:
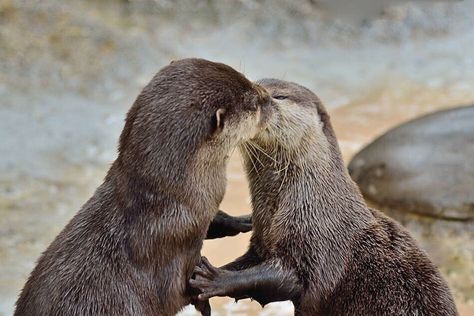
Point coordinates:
[(200, 184), (316, 195), (323, 178)]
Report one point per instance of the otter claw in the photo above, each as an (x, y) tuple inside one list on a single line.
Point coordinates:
[(209, 267), (202, 272)]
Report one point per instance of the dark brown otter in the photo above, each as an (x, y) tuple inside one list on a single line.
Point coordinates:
[(315, 241), (133, 246)]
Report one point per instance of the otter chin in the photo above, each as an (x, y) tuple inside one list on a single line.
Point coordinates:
[(315, 241)]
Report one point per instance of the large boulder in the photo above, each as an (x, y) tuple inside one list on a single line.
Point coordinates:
[(425, 166)]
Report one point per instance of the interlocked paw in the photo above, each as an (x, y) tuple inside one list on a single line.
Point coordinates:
[(224, 225), (209, 280), (241, 224)]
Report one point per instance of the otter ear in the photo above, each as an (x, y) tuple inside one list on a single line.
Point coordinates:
[(218, 120)]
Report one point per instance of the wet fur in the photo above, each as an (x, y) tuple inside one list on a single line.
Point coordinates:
[(314, 232), (132, 247)]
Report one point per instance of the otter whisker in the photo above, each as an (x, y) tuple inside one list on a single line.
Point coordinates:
[(284, 168), (256, 146), (255, 153), (284, 176), (249, 155)]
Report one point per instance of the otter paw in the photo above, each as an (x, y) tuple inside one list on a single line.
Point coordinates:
[(242, 224), (202, 306), (209, 280), (233, 225)]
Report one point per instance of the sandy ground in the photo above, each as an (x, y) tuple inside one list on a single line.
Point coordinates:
[(67, 81)]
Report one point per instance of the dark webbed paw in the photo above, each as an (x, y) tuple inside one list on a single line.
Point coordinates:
[(209, 280), (242, 224), (267, 282), (224, 225), (238, 224)]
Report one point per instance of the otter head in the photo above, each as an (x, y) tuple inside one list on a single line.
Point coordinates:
[(187, 119), (300, 124)]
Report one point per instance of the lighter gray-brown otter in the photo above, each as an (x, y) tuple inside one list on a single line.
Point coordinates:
[(315, 241), (132, 247)]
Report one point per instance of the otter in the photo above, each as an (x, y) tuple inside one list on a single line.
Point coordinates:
[(132, 247), (315, 241)]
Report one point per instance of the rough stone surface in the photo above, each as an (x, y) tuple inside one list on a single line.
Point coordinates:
[(424, 166)]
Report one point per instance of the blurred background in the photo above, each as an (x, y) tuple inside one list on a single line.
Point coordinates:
[(69, 71)]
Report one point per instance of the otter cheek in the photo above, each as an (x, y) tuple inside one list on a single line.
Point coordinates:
[(249, 127), (267, 115), (261, 121), (259, 117)]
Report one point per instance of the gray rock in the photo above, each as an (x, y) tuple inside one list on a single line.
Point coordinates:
[(425, 166)]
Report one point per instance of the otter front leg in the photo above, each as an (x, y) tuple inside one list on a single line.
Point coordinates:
[(267, 282), (224, 225), (248, 260), (202, 306)]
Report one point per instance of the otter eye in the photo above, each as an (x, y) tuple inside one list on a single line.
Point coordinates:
[(280, 97)]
